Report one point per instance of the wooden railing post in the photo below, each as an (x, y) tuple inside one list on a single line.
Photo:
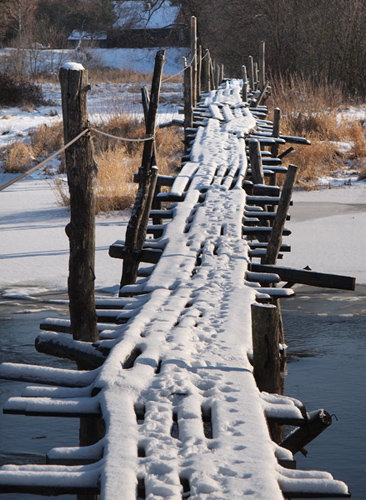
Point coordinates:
[(136, 229), (206, 74), (81, 175), (262, 65), (251, 73), (188, 100), (255, 158), (275, 239), (276, 131), (245, 84), (199, 73), (194, 58)]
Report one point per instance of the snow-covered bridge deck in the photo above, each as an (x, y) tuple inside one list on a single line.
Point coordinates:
[(182, 412)]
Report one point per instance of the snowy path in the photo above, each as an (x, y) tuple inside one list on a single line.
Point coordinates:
[(186, 414)]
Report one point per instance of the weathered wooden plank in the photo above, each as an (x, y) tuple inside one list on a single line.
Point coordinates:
[(46, 375), (150, 255), (306, 277)]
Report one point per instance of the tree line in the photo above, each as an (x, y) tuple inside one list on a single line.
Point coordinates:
[(321, 39), (50, 22)]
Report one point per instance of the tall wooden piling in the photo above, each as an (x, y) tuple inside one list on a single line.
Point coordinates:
[(251, 73), (194, 58), (81, 176), (262, 65), (136, 229), (275, 239)]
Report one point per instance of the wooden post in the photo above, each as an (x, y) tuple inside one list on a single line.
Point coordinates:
[(261, 95), (212, 73), (276, 131), (255, 78), (217, 75), (251, 73), (266, 357), (262, 65), (146, 104), (275, 239), (81, 175), (199, 73), (266, 321), (156, 204), (245, 84), (194, 57), (136, 229), (255, 158), (206, 73), (188, 100)]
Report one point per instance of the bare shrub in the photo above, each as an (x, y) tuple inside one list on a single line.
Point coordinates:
[(19, 92), (46, 139), (19, 157), (358, 141)]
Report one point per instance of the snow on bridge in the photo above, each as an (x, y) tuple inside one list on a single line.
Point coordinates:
[(183, 415)]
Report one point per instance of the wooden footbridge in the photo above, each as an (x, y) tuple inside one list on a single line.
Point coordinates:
[(173, 384)]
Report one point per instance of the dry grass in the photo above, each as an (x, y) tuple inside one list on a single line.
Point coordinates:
[(311, 110), (358, 141), (46, 139), (19, 157), (118, 161)]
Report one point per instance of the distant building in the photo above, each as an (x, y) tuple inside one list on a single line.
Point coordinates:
[(140, 24), (95, 39)]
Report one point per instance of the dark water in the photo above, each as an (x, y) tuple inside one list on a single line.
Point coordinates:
[(326, 334), (26, 439)]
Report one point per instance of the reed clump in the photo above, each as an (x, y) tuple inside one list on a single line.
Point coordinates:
[(314, 110)]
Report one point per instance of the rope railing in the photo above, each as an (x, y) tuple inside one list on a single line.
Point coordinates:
[(43, 163)]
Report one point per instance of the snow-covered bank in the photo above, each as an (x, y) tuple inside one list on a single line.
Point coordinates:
[(140, 60)]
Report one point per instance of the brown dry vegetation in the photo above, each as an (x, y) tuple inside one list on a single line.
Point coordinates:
[(43, 141), (311, 110), (117, 160)]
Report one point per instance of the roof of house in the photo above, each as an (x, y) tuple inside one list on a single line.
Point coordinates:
[(138, 15), (84, 35)]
